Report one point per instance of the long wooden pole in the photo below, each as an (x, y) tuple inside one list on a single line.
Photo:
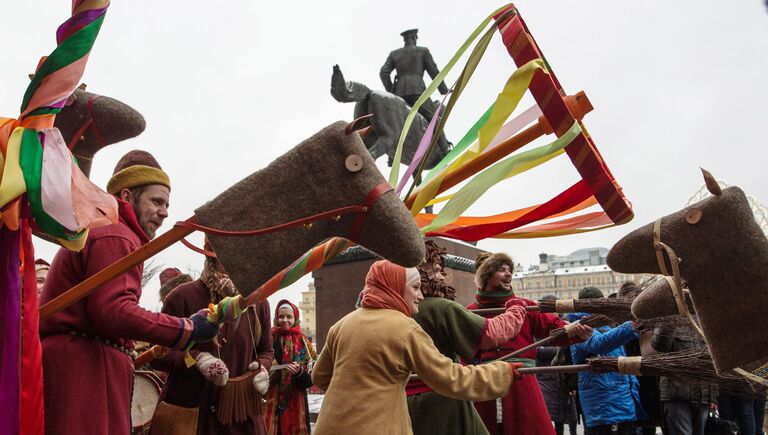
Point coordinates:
[(538, 370), (114, 270), (579, 106), (499, 310)]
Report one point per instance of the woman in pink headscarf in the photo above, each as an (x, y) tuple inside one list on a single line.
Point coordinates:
[(370, 353)]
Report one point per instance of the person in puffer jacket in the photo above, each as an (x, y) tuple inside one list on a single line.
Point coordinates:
[(610, 401)]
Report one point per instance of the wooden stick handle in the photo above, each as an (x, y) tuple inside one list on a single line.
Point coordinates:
[(148, 355), (538, 370), (554, 369), (522, 350), (114, 270), (499, 310)]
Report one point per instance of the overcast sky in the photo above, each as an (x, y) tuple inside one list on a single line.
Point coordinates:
[(675, 85)]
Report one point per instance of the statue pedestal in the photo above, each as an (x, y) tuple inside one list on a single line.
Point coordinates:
[(338, 283)]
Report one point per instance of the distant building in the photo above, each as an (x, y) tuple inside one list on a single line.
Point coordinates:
[(564, 276), (308, 312)]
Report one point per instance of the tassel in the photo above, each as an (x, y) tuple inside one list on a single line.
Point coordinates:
[(238, 401)]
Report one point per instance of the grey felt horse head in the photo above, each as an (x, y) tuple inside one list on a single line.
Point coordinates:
[(332, 169), (89, 122), (724, 261)]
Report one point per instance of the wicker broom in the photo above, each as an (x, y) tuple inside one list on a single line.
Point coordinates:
[(618, 309), (694, 364)]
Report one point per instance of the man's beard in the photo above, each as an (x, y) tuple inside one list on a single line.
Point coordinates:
[(501, 288)]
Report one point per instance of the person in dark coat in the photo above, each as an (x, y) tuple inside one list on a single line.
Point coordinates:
[(243, 346), (686, 403), (649, 385), (560, 402)]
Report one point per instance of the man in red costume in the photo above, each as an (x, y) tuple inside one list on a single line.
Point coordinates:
[(87, 365), (524, 410)]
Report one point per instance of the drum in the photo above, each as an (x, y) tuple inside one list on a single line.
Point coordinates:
[(146, 393)]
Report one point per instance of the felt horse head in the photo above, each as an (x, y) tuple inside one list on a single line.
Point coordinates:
[(724, 261), (89, 122), (330, 170)]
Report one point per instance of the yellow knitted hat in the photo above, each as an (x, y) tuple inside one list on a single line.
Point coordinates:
[(136, 168)]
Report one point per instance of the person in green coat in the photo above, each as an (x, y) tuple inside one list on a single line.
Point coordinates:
[(457, 333)]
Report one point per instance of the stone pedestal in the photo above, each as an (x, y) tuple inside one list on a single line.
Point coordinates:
[(339, 282)]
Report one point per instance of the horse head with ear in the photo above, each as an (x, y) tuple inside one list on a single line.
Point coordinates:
[(329, 171), (89, 122), (723, 259)]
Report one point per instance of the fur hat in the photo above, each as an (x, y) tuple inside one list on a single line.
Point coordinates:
[(486, 264), (137, 168)]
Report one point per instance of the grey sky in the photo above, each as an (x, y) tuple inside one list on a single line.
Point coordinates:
[(675, 85)]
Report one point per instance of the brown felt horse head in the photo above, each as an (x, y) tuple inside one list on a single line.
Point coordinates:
[(332, 169), (89, 122), (724, 261)]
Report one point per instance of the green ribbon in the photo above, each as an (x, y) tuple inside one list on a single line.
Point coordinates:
[(469, 137), (507, 168), (31, 162), (73, 48)]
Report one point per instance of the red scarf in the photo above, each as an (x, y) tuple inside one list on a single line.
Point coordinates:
[(384, 286), (127, 216)]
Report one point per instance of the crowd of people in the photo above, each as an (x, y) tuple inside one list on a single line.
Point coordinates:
[(410, 359)]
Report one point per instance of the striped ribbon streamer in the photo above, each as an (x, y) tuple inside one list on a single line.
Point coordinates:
[(510, 167), (22, 171), (505, 104), (597, 186), (314, 259)]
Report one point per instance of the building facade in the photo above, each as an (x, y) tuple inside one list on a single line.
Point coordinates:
[(308, 312), (564, 276)]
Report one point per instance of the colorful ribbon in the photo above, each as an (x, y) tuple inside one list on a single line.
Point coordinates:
[(596, 187), (36, 190)]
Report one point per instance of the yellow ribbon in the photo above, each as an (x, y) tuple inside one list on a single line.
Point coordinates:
[(12, 184)]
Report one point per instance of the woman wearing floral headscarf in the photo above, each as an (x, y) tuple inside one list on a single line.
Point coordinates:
[(287, 408), (370, 353)]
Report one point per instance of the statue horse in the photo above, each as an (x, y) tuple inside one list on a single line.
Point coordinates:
[(717, 248), (89, 122), (389, 112)]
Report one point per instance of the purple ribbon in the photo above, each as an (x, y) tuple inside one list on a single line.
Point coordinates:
[(10, 331), (423, 145)]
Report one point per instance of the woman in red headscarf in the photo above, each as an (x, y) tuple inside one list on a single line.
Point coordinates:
[(370, 353), (287, 408)]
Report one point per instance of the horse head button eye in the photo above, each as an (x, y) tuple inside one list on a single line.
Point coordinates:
[(693, 216), (354, 163)]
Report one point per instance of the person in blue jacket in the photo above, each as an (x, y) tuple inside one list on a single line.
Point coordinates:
[(610, 401)]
